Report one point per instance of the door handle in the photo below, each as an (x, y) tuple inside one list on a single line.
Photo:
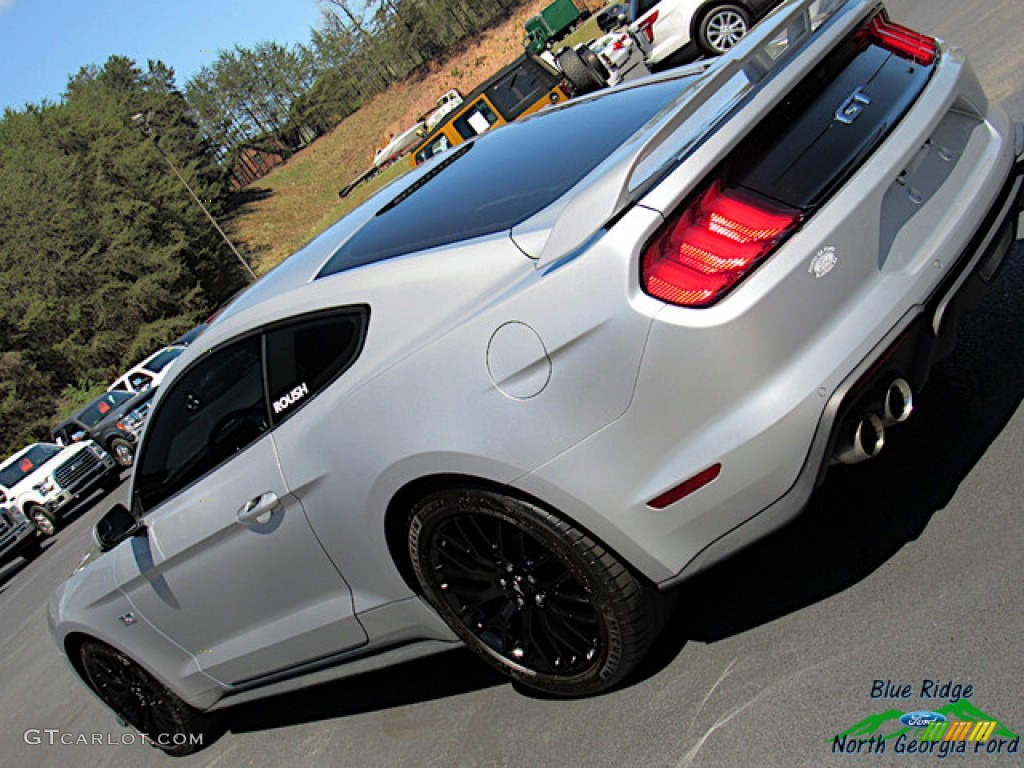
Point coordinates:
[(260, 509)]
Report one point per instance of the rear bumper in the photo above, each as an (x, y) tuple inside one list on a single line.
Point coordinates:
[(760, 388), (908, 352)]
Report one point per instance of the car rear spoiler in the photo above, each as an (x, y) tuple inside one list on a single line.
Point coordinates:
[(770, 57)]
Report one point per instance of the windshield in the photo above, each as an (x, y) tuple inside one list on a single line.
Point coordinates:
[(162, 359), (92, 415), (510, 175), (17, 470)]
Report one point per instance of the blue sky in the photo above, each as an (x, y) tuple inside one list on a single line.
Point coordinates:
[(43, 42)]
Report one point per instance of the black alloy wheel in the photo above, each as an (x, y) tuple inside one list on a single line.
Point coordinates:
[(143, 702), (531, 594)]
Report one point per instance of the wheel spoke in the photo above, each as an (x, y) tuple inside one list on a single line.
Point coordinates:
[(572, 647), (517, 595), (468, 600), (465, 565)]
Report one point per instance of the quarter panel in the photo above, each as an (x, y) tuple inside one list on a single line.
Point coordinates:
[(436, 410)]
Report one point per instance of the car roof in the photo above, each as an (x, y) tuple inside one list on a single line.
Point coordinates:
[(503, 177), (310, 261)]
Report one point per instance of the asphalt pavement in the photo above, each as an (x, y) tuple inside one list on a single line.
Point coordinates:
[(899, 589)]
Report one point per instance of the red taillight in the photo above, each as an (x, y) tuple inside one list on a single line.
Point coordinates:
[(902, 41), (713, 243), (646, 27)]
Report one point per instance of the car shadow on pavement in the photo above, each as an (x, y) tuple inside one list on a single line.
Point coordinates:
[(450, 673), (863, 515)]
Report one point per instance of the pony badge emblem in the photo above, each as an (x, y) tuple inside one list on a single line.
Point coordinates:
[(824, 261)]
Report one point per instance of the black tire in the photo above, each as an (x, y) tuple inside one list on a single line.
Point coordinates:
[(721, 28), (578, 73), (111, 482), (33, 549), (122, 451), (44, 521), (594, 64), (531, 594), (141, 701)]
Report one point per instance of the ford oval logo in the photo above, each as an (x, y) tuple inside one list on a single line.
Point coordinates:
[(922, 719)]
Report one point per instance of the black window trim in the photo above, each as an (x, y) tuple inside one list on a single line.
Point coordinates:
[(362, 315), (361, 311)]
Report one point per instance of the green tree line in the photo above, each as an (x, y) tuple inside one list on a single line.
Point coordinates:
[(103, 256)]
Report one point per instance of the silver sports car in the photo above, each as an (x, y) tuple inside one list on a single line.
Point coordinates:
[(519, 395)]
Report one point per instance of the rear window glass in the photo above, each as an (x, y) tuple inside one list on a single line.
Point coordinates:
[(306, 356), (478, 119), (510, 175)]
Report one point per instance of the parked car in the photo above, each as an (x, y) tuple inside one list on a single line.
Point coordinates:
[(114, 420), (612, 17), (446, 102), (43, 481), (17, 534), (149, 373), (525, 86), (523, 392), (671, 31), (190, 335), (615, 50)]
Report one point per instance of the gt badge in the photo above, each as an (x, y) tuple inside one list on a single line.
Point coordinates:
[(823, 262), (850, 109)]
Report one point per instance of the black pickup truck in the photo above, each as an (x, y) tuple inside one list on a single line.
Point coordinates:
[(114, 420)]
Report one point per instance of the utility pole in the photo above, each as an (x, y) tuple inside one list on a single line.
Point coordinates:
[(141, 120)]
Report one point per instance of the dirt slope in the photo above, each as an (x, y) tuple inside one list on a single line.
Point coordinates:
[(298, 200)]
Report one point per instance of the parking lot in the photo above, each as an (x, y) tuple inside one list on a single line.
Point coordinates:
[(898, 589)]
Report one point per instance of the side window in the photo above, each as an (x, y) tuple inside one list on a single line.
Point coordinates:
[(140, 381), (305, 356), (215, 410), (476, 120), (437, 146)]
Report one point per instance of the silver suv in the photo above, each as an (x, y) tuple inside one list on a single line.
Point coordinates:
[(514, 399)]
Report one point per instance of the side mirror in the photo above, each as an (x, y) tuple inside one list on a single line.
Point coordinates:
[(114, 527), (3, 497)]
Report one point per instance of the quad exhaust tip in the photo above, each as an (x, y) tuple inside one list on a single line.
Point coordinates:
[(864, 440), (899, 403)]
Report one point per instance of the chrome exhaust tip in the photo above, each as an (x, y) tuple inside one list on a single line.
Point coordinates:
[(865, 439), (899, 403)]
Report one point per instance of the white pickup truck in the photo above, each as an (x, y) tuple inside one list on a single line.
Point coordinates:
[(43, 480)]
